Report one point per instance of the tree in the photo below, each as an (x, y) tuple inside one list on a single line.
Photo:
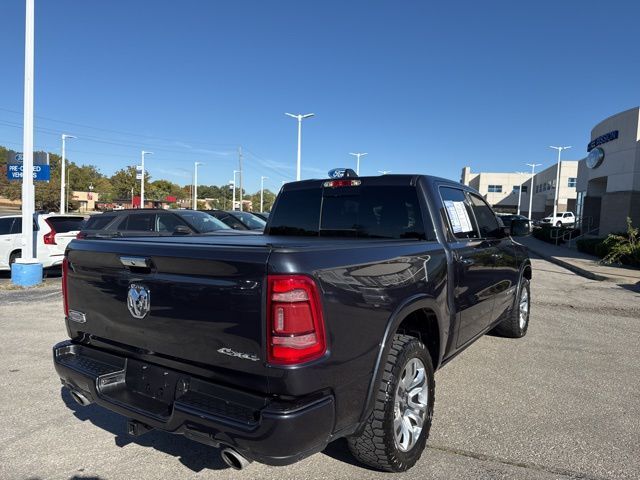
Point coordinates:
[(124, 180), (269, 198)]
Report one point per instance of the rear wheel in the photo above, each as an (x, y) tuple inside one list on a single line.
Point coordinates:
[(517, 323), (558, 223), (396, 433)]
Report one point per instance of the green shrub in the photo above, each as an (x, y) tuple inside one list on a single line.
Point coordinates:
[(623, 249)]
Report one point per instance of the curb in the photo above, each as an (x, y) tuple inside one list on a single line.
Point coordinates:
[(569, 266)]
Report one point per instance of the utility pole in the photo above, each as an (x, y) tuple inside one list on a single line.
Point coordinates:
[(142, 179), (262, 179), (240, 172), (63, 166), (195, 185), (556, 193), (358, 155), (533, 168), (300, 118)]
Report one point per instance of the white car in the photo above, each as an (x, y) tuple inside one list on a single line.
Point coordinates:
[(562, 219), (52, 233)]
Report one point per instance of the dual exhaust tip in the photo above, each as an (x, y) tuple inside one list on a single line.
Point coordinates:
[(230, 456)]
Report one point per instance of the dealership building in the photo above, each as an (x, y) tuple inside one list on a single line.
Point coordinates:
[(608, 185), (502, 190)]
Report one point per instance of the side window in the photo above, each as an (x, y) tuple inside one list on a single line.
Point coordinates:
[(139, 222), (233, 222), (487, 221), (5, 226), (167, 223), (458, 212)]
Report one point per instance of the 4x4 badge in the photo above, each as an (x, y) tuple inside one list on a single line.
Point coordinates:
[(138, 300)]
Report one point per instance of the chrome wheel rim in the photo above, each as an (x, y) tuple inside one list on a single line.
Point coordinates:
[(410, 405), (524, 308)]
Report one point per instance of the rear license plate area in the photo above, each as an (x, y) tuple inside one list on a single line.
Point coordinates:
[(151, 381)]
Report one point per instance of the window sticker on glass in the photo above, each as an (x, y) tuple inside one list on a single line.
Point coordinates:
[(460, 221)]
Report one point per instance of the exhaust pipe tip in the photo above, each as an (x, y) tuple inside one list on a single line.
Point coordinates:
[(80, 398), (234, 459)]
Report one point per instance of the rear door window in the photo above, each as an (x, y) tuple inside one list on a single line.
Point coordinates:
[(65, 224), (458, 213), (139, 222), (5, 226), (98, 222)]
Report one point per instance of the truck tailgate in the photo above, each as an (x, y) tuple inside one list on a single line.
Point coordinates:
[(204, 301)]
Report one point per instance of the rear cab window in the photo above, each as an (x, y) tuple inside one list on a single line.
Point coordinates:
[(98, 222), (375, 212)]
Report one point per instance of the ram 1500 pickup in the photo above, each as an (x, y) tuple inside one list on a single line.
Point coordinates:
[(329, 325)]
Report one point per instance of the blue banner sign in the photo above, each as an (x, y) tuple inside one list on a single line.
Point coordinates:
[(41, 173)]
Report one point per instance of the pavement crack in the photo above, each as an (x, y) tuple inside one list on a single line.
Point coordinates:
[(530, 466)]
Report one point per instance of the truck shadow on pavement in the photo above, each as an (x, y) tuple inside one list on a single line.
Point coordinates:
[(193, 455)]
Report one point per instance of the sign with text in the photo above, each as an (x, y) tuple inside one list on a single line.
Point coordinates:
[(41, 173)]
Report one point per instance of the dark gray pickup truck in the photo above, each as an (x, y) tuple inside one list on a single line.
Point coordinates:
[(329, 325)]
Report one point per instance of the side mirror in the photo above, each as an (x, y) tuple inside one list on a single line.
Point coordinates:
[(520, 227), (182, 230)]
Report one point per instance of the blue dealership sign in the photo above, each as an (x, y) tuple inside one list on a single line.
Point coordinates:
[(41, 173)]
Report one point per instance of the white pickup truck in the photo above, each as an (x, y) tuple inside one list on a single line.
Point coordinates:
[(562, 219)]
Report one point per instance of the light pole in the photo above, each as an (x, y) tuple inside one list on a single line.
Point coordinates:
[(143, 153), (300, 118), (262, 179), (63, 166), (384, 172), (233, 183), (555, 196), (195, 184), (27, 271), (533, 168), (358, 155)]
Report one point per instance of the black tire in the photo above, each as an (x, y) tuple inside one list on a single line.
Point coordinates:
[(511, 327), (14, 256), (376, 446)]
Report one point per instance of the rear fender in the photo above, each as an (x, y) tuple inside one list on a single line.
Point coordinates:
[(411, 305)]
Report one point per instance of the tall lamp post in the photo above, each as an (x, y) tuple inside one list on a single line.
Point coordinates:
[(300, 118), (195, 184), (519, 193), (358, 155), (556, 194), (262, 179), (533, 168), (63, 166), (26, 271), (233, 183), (142, 155)]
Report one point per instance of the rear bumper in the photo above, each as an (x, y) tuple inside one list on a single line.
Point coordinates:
[(262, 429)]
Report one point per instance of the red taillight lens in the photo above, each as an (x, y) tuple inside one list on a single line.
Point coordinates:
[(81, 236), (342, 183), (295, 327), (65, 290), (50, 238)]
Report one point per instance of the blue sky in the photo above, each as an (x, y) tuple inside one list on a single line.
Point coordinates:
[(424, 87)]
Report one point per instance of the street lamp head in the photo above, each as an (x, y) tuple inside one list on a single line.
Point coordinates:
[(146, 153), (560, 148), (65, 136), (308, 115), (291, 115)]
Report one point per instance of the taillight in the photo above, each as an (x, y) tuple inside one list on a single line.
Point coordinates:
[(295, 327), (81, 236), (50, 238), (65, 289)]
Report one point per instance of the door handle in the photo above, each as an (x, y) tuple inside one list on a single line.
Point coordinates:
[(467, 261)]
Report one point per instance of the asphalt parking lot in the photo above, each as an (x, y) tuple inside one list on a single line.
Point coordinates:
[(562, 403)]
